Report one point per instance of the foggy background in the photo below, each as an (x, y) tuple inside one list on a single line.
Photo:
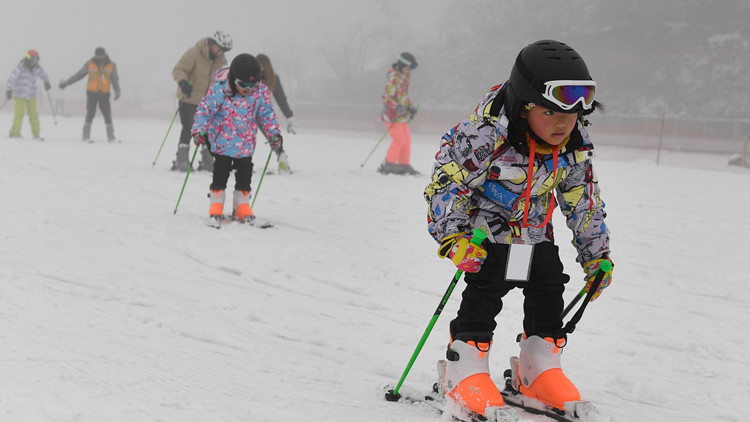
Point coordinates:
[(687, 60)]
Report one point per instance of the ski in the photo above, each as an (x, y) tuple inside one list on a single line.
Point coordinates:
[(434, 401), (218, 221), (579, 411)]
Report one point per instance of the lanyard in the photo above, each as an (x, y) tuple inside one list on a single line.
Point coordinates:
[(529, 181)]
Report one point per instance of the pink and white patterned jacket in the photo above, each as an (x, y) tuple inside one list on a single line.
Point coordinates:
[(231, 121), (22, 80)]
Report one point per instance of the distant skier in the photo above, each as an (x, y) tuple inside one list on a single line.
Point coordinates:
[(22, 85), (227, 120), (499, 170), (397, 112), (194, 75), (271, 79), (103, 77)]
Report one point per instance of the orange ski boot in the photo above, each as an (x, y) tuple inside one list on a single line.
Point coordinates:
[(216, 207), (242, 210), (539, 373), (466, 376)]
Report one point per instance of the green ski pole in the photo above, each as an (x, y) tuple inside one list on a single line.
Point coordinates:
[(604, 267), (186, 178), (51, 107), (165, 137), (374, 148), (392, 395), (257, 190)]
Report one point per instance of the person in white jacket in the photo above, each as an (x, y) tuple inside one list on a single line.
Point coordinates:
[(21, 85)]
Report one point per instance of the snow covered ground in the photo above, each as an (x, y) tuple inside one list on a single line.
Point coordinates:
[(112, 308)]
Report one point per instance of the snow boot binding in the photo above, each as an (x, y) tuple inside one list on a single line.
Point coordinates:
[(242, 210), (538, 373), (181, 162), (207, 160), (465, 379), (216, 207), (284, 163)]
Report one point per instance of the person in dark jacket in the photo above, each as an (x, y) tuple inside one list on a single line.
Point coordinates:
[(103, 78), (271, 80)]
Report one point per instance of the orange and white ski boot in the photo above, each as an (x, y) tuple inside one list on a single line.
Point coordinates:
[(540, 374), (216, 207), (536, 382), (465, 378), (242, 210)]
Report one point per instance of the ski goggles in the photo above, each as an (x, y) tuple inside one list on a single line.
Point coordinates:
[(566, 94), (245, 85), (408, 63)]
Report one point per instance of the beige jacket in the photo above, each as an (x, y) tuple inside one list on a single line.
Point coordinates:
[(196, 67)]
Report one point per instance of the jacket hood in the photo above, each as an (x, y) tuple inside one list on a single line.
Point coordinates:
[(202, 45)]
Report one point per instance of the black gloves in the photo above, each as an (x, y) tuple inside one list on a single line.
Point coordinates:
[(186, 88), (412, 112), (63, 84), (47, 86), (9, 94)]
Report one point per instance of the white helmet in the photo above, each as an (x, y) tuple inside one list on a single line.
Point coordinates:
[(223, 39)]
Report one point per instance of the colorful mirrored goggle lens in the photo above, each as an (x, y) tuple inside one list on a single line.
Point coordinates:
[(567, 94), (245, 85)]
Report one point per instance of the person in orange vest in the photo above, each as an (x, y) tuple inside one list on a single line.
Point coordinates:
[(103, 77)]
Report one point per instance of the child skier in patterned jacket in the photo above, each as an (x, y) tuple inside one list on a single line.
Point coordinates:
[(228, 118), (499, 170), (397, 113), (22, 85)]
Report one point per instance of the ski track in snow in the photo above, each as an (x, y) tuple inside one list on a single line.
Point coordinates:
[(115, 309)]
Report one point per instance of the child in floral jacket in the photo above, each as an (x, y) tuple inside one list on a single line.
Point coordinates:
[(228, 118)]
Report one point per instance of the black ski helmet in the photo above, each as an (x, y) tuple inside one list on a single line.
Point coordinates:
[(244, 67), (538, 63), (406, 59)]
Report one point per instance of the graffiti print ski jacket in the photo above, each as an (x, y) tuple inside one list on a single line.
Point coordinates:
[(231, 121), (481, 180)]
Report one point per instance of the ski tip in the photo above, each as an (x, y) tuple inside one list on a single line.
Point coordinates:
[(391, 395)]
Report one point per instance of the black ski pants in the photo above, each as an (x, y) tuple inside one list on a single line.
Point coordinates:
[(187, 115), (102, 100), (543, 293), (223, 165)]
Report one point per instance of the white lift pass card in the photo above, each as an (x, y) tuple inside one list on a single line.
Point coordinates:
[(519, 262)]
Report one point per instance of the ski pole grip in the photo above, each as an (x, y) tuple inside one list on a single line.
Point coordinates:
[(605, 266), (478, 236)]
